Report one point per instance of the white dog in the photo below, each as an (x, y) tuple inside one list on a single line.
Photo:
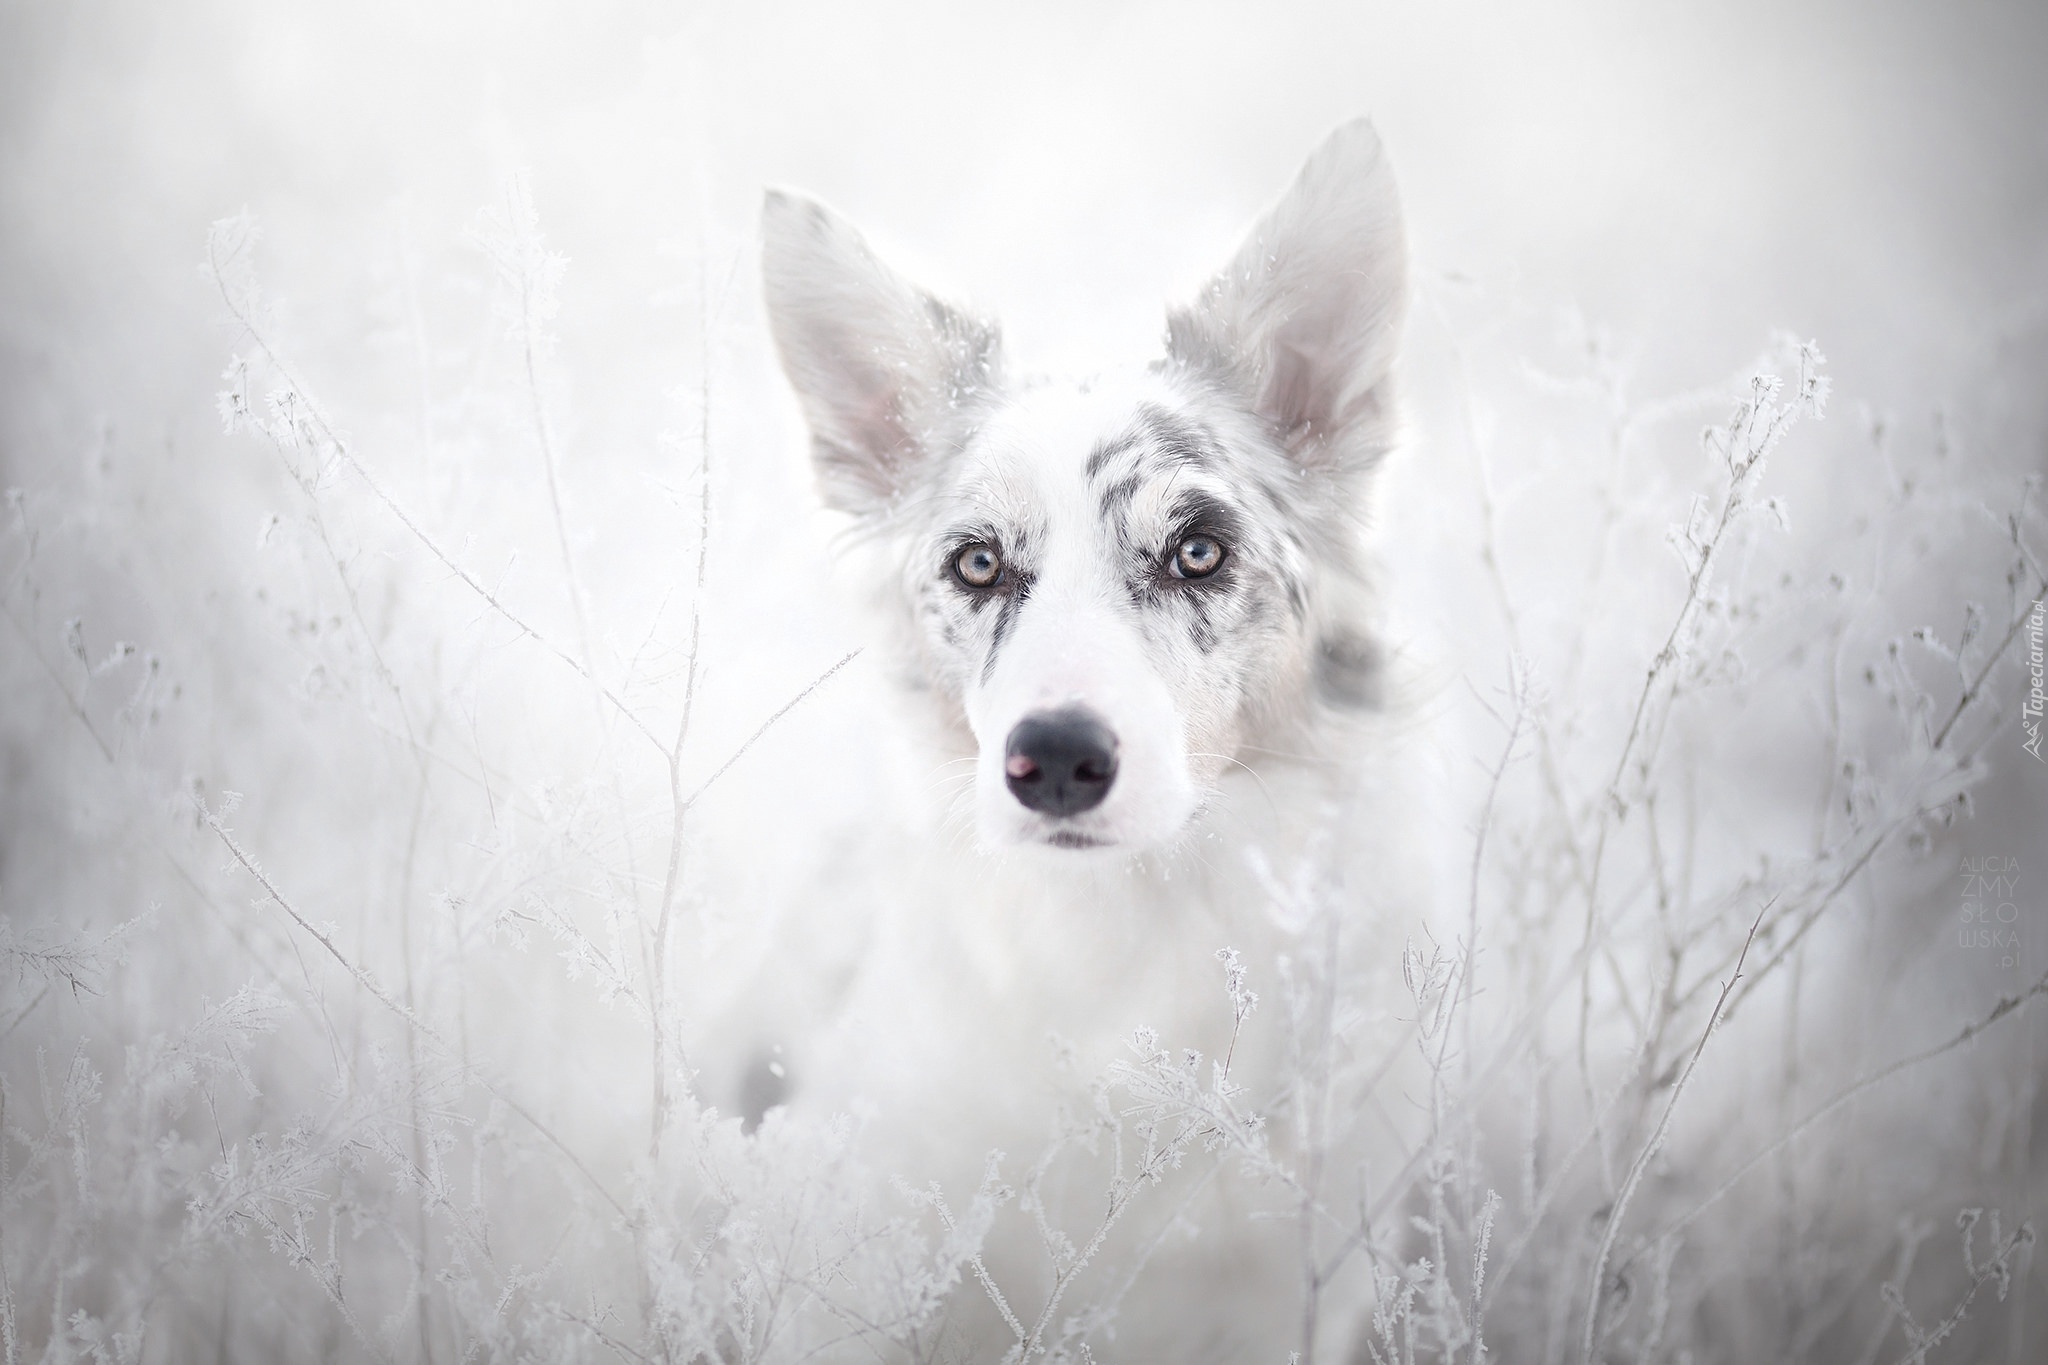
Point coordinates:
[(1140, 606)]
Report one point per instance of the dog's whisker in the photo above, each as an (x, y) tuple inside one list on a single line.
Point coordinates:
[(1317, 760), (1264, 790)]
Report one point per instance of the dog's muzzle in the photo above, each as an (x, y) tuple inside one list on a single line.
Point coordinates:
[(1060, 762)]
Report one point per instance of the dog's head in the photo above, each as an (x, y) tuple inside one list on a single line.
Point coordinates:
[(1119, 585)]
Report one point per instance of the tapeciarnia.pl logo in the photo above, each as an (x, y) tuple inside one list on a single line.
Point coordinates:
[(2037, 682)]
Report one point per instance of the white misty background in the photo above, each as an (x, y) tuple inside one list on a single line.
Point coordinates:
[(406, 524)]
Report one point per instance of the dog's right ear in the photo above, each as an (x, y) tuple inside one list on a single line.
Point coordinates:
[(886, 374)]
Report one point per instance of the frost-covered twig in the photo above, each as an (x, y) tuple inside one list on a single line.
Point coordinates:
[(1744, 443), (530, 272), (678, 807), (1642, 1161), (1997, 1270), (212, 819), (682, 809), (2006, 1005), (233, 235)]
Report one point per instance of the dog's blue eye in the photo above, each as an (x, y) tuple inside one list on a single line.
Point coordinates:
[(978, 566), (1198, 557)]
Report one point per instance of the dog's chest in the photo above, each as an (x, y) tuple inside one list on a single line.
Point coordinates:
[(991, 996)]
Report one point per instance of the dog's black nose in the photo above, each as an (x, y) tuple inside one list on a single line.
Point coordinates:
[(1060, 762)]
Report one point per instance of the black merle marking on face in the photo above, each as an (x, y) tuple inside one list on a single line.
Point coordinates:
[(1099, 459), (1148, 556), (1013, 603), (1182, 440), (1200, 513), (1118, 496), (1205, 599), (1175, 440), (1157, 446), (1297, 596)]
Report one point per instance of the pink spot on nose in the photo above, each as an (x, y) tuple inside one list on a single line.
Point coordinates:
[(1020, 767)]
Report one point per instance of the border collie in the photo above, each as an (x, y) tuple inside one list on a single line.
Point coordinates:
[(1140, 607)]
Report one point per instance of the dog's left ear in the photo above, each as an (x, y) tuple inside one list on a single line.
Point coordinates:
[(886, 373), (1305, 321)]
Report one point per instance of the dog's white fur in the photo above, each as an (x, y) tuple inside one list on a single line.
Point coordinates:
[(1235, 698), (1269, 411)]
